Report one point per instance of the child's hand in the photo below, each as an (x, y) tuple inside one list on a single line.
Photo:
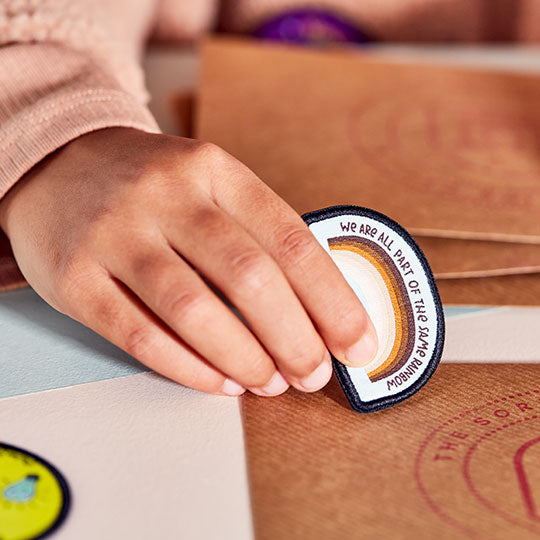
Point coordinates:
[(113, 228)]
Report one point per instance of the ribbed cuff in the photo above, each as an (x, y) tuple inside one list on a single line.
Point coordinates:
[(41, 129)]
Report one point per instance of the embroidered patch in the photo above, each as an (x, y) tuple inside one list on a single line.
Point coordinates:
[(389, 273), (34, 497)]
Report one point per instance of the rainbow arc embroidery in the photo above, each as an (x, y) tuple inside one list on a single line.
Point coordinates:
[(389, 273)]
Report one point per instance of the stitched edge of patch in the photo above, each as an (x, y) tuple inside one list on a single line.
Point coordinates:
[(340, 370), (64, 487)]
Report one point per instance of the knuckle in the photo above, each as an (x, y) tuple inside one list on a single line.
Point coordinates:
[(250, 270), (183, 304), (208, 152), (139, 341), (297, 244)]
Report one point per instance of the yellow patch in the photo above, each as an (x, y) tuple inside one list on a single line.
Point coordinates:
[(32, 497)]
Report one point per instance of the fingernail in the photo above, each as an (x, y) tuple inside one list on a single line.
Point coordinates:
[(232, 388), (317, 378), (276, 386), (363, 351)]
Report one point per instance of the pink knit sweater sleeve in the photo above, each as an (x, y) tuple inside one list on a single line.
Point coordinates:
[(67, 68)]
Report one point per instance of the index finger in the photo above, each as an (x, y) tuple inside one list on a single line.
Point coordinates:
[(334, 308)]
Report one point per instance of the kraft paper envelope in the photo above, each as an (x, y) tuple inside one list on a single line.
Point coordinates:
[(441, 150), (450, 153), (450, 258), (458, 460), (454, 258)]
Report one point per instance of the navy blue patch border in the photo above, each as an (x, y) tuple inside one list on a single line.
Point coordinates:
[(61, 481), (339, 369)]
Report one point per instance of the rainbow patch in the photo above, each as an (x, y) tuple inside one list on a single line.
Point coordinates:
[(390, 275)]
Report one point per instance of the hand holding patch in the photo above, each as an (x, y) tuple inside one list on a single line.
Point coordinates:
[(390, 275)]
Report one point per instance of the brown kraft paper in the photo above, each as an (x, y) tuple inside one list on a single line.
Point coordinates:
[(443, 151), (457, 460), (290, 113)]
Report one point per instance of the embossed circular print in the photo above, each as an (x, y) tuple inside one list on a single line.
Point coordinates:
[(390, 275), (34, 497), (478, 470)]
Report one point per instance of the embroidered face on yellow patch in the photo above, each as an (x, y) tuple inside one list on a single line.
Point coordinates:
[(34, 497), (389, 273)]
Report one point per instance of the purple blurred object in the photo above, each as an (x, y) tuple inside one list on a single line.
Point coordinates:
[(310, 27)]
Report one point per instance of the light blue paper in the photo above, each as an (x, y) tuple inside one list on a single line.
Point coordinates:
[(457, 311), (41, 349)]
